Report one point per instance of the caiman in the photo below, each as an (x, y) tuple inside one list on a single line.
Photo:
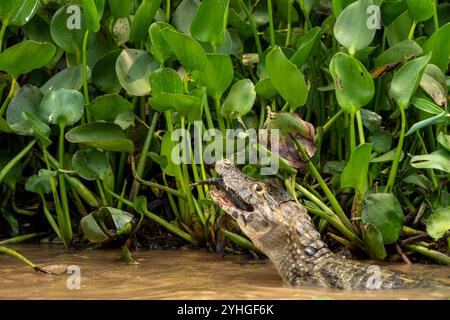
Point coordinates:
[(282, 229)]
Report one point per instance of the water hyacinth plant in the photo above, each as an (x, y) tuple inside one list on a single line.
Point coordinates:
[(93, 92)]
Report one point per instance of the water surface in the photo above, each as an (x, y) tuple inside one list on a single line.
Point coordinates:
[(176, 274)]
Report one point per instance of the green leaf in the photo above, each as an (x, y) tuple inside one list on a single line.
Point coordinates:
[(286, 78), (102, 135), (28, 99), (387, 157), (210, 21), (439, 223), (419, 180), (265, 89), (90, 164), (444, 140), (40, 183), (167, 146), (14, 174), (91, 15), (433, 83), (354, 85), (439, 160), (406, 80), (184, 14), (70, 78), (381, 140), (374, 242), (120, 8), (439, 118), (133, 68), (383, 210), (421, 10), (240, 100), (63, 107), (68, 28), (142, 19), (166, 80), (91, 230), (391, 9), (351, 29), (184, 104), (108, 107), (104, 74), (355, 172), (217, 74), (439, 47), (17, 13), (371, 120), (40, 130), (187, 50), (160, 47), (305, 45), (399, 51), (426, 105), (26, 56)]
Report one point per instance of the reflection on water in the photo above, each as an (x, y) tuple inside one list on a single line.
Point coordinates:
[(176, 274)]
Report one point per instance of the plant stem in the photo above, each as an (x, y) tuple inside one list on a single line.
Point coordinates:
[(253, 25), (15, 160), (289, 23), (359, 122), (9, 97), (435, 16), (219, 116), (2, 32), (411, 32), (20, 239), (328, 125), (167, 11), (64, 223), (142, 159), (351, 125), (439, 256), (398, 153), (271, 27)]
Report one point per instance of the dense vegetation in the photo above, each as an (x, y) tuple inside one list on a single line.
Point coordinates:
[(90, 95)]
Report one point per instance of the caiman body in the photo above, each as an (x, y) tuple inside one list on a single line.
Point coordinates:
[(282, 229)]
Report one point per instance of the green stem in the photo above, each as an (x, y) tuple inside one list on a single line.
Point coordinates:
[(328, 125), (435, 16), (66, 224), (253, 25), (289, 23), (158, 220), (219, 116), (352, 132), (411, 32), (359, 122), (271, 27), (439, 256), (17, 255), (9, 97), (49, 216), (6, 169), (398, 153), (20, 239), (85, 74), (167, 11), (2, 32)]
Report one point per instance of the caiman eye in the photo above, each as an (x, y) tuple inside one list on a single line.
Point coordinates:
[(257, 187)]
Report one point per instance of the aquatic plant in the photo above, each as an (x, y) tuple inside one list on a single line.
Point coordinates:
[(92, 92)]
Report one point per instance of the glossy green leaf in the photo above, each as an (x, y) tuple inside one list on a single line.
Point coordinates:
[(439, 118), (426, 105), (402, 50), (27, 99), (352, 26), (444, 140), (90, 164), (184, 14), (286, 78), (264, 88), (104, 73), (63, 107), (391, 9), (167, 146), (91, 230), (133, 68), (142, 19), (374, 242), (188, 51), (184, 104), (355, 172), (439, 223), (40, 183), (399, 29), (407, 79), (381, 141), (107, 107), (70, 78), (354, 85), (91, 15), (217, 74), (388, 157), (383, 210), (68, 28), (160, 48), (120, 8), (166, 80), (439, 47), (371, 120), (39, 129), (26, 56), (240, 100), (439, 160), (101, 135), (421, 10), (210, 21), (305, 45), (17, 13)]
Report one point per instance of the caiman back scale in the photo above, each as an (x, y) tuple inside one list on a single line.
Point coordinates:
[(282, 229)]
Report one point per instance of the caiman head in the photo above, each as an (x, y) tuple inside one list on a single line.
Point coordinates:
[(253, 204)]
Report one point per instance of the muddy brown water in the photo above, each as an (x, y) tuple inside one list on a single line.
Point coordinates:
[(175, 274)]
